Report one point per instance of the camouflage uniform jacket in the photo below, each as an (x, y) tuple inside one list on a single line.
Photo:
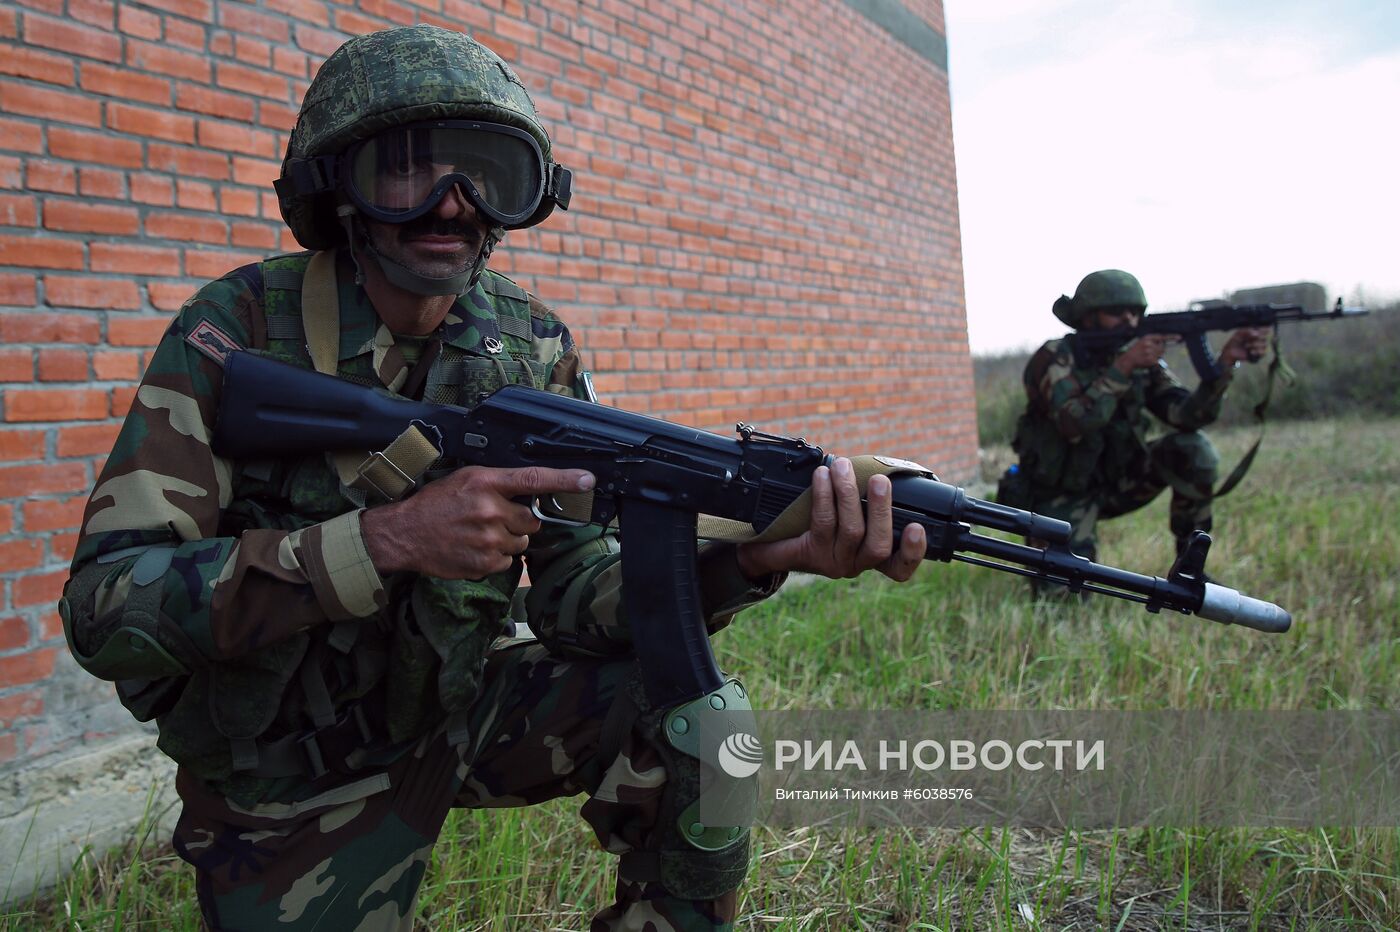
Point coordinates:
[(235, 602), (1087, 426)]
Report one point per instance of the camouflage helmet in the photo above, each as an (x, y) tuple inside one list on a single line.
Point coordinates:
[(1103, 289), (385, 79)]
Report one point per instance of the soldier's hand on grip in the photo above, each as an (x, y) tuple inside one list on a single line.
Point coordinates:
[(466, 525)]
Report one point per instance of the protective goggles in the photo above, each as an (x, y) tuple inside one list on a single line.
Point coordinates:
[(403, 172)]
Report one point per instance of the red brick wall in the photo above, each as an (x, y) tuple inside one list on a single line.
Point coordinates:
[(764, 228)]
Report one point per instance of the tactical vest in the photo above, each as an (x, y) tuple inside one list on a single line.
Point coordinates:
[(1054, 465), (288, 710)]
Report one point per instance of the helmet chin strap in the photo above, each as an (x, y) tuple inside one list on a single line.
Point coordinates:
[(399, 275)]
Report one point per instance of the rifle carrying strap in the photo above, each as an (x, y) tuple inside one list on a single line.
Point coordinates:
[(1277, 368), (391, 472)]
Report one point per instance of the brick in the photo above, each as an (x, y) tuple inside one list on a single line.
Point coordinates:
[(99, 182), (206, 264), (55, 478), (63, 365), (40, 252), (133, 258), (7, 518), (299, 9), (22, 669), (94, 148), (18, 555), (54, 177), (75, 39), (62, 546), (87, 439), (143, 331), (54, 514), (168, 296), (195, 195), (9, 747), (239, 18), (289, 62), (187, 227), (143, 121), (250, 80), (199, 10), (17, 210), (97, 293), (121, 82), (62, 106), (16, 365), (148, 56), (184, 163), (11, 175), (48, 327), (21, 136), (17, 289), (55, 404), (279, 118), (121, 400), (137, 22), (256, 173), (148, 188), (187, 35), (50, 623), (41, 66), (221, 44), (214, 103), (242, 202), (232, 137), (16, 445), (109, 365), (17, 707), (77, 217), (252, 52), (261, 235)]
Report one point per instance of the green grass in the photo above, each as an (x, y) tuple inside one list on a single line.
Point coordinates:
[(1312, 527)]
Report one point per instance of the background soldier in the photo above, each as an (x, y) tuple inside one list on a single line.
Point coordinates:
[(321, 656), (1082, 442)]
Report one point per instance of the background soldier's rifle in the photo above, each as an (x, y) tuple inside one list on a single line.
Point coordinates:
[(657, 479), (1193, 325)]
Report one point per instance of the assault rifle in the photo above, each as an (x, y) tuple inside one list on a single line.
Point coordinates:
[(1192, 326), (656, 477)]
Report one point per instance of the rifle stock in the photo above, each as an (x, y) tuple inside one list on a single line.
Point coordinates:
[(656, 477)]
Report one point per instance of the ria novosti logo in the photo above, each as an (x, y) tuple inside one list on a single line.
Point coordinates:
[(740, 755)]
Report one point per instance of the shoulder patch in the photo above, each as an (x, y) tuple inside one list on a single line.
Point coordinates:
[(212, 342)]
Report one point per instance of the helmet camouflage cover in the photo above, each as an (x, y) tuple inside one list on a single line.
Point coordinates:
[(386, 79), (1103, 289)]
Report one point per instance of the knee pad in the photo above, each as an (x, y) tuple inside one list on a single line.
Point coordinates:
[(710, 798)]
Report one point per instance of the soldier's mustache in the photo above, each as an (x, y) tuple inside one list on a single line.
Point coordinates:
[(438, 226)]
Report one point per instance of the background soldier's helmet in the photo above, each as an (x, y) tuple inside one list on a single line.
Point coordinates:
[(1107, 288), (389, 78)]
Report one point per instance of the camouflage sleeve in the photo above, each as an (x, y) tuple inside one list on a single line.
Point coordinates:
[(153, 556), (575, 600), (1075, 406), (1186, 410)]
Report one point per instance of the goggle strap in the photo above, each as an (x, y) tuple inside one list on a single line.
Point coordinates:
[(560, 187), (307, 177)]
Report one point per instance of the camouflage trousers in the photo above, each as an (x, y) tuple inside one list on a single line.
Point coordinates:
[(1185, 461), (351, 856)]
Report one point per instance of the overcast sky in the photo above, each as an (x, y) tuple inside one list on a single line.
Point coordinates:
[(1203, 145)]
